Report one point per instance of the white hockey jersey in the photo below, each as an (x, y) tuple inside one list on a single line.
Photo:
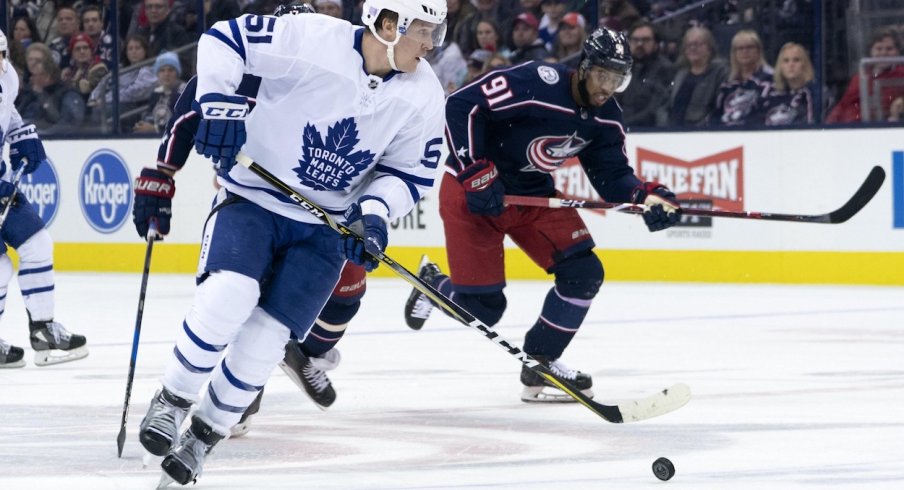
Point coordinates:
[(321, 123), (9, 116)]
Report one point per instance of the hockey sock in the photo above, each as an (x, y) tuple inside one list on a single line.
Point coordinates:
[(322, 337), (36, 275), (559, 321)]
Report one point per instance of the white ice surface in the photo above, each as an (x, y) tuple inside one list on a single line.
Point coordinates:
[(794, 387)]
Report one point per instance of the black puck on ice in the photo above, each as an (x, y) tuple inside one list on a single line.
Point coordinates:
[(663, 469)]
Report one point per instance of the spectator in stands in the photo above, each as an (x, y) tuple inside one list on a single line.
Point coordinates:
[(333, 8), (52, 106), (526, 40), (448, 64), (163, 98), (93, 25), (457, 11), (499, 11), (651, 77), (700, 72), (135, 85), (162, 35), (749, 79), (621, 10), (24, 33), (570, 39), (489, 38), (890, 77), (790, 99), (533, 6), (476, 64), (66, 26), (553, 12), (896, 110), (86, 69)]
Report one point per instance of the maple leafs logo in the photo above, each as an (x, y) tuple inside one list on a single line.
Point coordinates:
[(331, 164)]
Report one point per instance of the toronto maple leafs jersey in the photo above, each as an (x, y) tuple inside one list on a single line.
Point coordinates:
[(9, 116), (321, 123), (525, 120)]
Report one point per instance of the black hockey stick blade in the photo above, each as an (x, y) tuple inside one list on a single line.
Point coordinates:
[(121, 438), (659, 403), (864, 194)]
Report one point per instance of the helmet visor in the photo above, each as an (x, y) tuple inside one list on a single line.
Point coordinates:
[(426, 32), (612, 81)]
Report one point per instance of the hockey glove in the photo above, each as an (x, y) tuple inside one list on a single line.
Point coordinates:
[(25, 148), (663, 210), (221, 131), (483, 192), (154, 191), (367, 218), (7, 191)]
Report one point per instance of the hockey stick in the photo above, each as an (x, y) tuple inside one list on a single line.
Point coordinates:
[(121, 438), (17, 175), (864, 194), (659, 403)]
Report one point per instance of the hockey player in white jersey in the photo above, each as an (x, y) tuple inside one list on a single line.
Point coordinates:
[(350, 117), (24, 231)]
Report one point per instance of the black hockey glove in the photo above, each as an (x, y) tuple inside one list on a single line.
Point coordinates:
[(371, 227), (663, 210), (154, 191), (483, 192)]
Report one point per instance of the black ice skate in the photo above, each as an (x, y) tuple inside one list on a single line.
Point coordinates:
[(537, 389), (418, 306), (183, 464), (10, 355), (54, 344), (244, 424), (309, 373), (159, 430)]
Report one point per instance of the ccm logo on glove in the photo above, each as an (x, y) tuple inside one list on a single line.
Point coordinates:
[(225, 112)]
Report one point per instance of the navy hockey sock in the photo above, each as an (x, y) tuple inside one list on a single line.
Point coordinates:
[(320, 340), (559, 321)]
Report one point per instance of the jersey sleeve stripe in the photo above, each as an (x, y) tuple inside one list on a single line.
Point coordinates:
[(225, 40), (422, 181), (237, 37)]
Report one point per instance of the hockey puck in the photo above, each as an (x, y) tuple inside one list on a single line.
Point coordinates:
[(663, 469)]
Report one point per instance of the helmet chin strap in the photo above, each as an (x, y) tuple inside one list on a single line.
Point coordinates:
[(390, 46)]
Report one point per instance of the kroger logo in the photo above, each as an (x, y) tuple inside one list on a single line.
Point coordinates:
[(105, 191), (42, 189)]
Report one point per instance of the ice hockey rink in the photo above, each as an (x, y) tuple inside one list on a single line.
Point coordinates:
[(793, 387)]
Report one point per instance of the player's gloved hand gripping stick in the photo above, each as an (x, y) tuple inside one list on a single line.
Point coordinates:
[(659, 403)]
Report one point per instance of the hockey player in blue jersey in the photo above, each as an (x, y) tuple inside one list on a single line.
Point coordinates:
[(24, 231), (507, 132), (351, 118), (305, 362)]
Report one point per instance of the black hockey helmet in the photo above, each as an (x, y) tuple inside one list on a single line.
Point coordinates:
[(294, 8), (608, 49)]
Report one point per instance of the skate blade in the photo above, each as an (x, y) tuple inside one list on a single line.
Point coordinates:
[(547, 394), (240, 429), (51, 357), (150, 460), (10, 365), (165, 481)]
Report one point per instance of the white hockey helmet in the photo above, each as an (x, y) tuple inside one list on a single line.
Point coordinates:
[(429, 11)]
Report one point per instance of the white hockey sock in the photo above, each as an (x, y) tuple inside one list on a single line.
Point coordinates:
[(6, 273), (222, 304), (36, 275), (258, 347)]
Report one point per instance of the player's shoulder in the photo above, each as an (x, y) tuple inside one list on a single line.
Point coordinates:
[(541, 73), (322, 28), (426, 80)]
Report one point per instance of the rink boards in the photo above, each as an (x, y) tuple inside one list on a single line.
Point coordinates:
[(86, 196)]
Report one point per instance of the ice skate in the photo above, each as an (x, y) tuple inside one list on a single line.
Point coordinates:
[(10, 355), (244, 424), (537, 389), (418, 306), (159, 430), (309, 373), (54, 344), (183, 464)]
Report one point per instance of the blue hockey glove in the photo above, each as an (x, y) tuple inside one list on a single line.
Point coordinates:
[(483, 192), (221, 132), (7, 190), (25, 147), (154, 191), (663, 210), (367, 218)]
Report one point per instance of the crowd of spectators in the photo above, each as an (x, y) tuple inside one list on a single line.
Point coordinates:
[(705, 76)]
